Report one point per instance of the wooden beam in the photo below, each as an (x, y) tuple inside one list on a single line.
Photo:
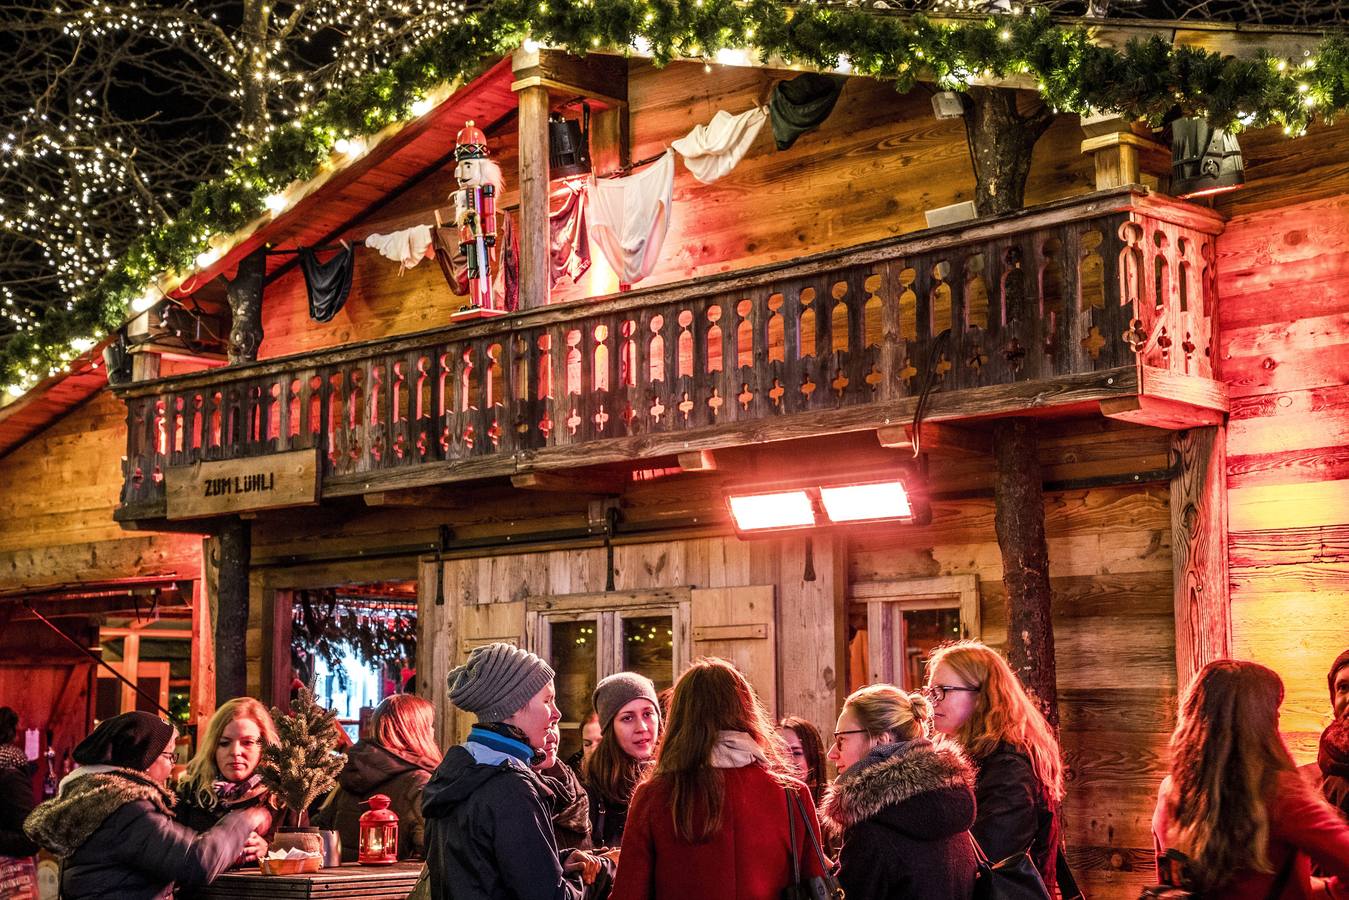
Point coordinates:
[(1199, 551), (1173, 415), (948, 439), (595, 76), (423, 498), (578, 482), (158, 556), (201, 698), (697, 461)]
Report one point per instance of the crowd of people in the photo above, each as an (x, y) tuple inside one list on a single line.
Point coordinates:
[(696, 793)]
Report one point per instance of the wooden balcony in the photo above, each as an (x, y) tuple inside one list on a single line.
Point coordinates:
[(1099, 304)]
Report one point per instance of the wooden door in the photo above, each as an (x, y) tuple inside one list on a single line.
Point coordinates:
[(739, 624), (479, 624)]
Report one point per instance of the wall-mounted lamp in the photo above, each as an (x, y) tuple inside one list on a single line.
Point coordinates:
[(855, 499)]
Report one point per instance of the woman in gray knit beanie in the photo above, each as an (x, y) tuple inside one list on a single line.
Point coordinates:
[(629, 716)]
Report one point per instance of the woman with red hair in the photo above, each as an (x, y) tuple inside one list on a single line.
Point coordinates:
[(978, 700), (397, 760)]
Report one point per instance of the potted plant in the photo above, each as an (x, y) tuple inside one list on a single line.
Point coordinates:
[(301, 767)]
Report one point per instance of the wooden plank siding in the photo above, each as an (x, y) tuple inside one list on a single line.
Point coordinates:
[(1284, 339)]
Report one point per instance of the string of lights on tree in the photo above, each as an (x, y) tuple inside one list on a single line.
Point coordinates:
[(1146, 79)]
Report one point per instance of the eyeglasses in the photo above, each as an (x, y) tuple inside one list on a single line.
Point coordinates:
[(838, 736), (937, 692)]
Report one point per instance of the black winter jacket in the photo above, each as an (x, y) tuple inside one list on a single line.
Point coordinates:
[(371, 770), (607, 819), (489, 834), (1015, 812), (117, 839), (16, 802), (904, 813)]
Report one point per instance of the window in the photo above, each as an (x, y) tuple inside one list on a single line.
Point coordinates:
[(586, 637), (893, 626)]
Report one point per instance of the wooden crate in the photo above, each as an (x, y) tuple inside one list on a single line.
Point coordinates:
[(348, 881)]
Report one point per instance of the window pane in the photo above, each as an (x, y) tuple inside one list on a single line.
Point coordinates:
[(924, 631), (574, 648), (648, 647)]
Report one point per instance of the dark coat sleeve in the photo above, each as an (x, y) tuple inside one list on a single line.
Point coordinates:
[(411, 822), (864, 866), (1006, 796), (154, 843), (522, 833), (16, 802)]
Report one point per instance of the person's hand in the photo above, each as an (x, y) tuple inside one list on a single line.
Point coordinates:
[(255, 848), (259, 818), (588, 864), (611, 854)]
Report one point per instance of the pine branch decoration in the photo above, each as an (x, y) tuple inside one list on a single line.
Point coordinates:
[(303, 764)]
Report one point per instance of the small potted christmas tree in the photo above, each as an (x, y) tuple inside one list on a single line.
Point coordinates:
[(301, 767)]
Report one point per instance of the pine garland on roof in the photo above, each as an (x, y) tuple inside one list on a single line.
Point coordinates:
[(1146, 79)]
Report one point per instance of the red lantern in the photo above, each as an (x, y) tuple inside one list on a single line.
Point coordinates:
[(379, 834)]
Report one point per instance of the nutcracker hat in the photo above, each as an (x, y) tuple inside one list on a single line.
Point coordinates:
[(470, 143)]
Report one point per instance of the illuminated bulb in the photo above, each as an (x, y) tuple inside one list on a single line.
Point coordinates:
[(1005, 35), (82, 345), (728, 57), (276, 203), (531, 45), (422, 107), (145, 301), (707, 68), (206, 257)]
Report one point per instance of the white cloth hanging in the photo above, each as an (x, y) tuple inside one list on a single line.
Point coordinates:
[(407, 247), (712, 150), (630, 216)]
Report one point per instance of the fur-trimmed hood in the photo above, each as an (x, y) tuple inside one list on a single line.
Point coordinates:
[(922, 789), (65, 822)]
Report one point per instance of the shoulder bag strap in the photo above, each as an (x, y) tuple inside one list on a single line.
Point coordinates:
[(797, 803), (791, 837), (1068, 888)]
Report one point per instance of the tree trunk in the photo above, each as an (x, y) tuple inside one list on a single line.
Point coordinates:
[(1019, 519), (231, 625), (1001, 141), (254, 55), (245, 298)]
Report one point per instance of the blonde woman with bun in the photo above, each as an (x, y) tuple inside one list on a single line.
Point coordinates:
[(978, 700), (902, 803)]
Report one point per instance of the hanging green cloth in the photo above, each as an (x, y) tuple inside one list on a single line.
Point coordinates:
[(802, 104)]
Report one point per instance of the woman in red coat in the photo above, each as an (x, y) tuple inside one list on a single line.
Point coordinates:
[(1234, 806), (712, 821)]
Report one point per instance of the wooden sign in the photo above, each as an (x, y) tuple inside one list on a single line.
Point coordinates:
[(239, 485)]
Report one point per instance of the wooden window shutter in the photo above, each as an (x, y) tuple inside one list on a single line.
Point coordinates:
[(739, 624)]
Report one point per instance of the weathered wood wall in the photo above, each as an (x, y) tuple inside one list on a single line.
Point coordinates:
[(58, 492), (869, 172), (1284, 312)]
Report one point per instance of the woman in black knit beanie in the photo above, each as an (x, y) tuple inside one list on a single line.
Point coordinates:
[(112, 826)]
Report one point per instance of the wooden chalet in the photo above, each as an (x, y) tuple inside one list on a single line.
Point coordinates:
[(557, 476)]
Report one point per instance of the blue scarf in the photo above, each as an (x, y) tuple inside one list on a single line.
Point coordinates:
[(500, 742)]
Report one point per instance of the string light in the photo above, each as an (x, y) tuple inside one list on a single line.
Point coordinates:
[(388, 54)]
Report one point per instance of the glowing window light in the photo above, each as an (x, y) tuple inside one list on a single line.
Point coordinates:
[(759, 512), (860, 502)]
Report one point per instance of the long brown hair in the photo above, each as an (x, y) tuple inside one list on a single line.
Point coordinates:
[(1003, 711), (812, 745), (202, 772), (1225, 757), (709, 698), (404, 724)]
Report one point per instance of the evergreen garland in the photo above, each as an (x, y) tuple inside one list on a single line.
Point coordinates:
[(303, 765), (1147, 79)]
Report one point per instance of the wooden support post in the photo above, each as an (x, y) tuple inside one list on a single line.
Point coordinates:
[(535, 285), (245, 298), (130, 665), (1019, 519), (1199, 551), (232, 548), (202, 689), (1123, 151)]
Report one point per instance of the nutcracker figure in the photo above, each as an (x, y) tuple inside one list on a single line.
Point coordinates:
[(475, 216)]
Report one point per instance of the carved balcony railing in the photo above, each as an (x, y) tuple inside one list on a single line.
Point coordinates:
[(1107, 295)]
